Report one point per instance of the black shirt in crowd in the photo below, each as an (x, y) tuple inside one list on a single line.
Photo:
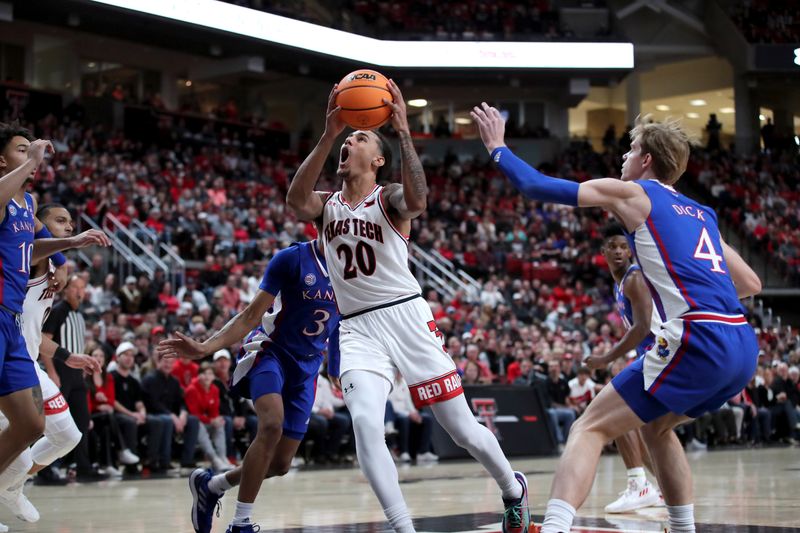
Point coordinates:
[(127, 390), (558, 390), (162, 394)]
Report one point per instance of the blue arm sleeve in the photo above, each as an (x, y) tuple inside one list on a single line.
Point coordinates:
[(279, 270), (333, 353), (57, 258), (533, 183)]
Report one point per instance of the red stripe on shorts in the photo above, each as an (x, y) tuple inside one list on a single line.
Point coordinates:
[(55, 405)]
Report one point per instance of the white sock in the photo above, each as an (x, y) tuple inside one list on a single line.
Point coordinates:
[(681, 518), (637, 474), (399, 518), (558, 517), (219, 484), (243, 513), (17, 471)]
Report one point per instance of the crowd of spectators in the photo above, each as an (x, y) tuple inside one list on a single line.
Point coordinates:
[(770, 22), (425, 20), (545, 301)]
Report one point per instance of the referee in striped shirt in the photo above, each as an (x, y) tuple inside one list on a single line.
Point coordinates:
[(66, 327)]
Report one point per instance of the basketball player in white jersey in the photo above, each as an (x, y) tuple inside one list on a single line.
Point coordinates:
[(61, 434), (386, 324)]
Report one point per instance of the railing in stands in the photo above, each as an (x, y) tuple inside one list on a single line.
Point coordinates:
[(119, 255), (142, 252), (436, 270), (177, 266)]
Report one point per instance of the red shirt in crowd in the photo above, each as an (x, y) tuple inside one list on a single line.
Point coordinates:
[(108, 390), (185, 371), (202, 403)]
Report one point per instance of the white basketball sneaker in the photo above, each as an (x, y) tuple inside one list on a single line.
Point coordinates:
[(19, 504), (3, 528), (636, 496)]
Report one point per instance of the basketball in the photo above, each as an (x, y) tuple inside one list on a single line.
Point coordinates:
[(361, 96)]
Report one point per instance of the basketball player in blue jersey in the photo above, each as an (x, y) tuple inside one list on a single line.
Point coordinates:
[(20, 395), (705, 351), (277, 368), (635, 308)]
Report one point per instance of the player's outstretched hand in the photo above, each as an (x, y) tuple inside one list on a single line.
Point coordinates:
[(398, 106), (491, 125), (38, 149), (89, 238), (84, 362), (183, 346), (334, 125)]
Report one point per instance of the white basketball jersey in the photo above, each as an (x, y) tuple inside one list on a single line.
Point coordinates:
[(367, 256), (35, 309)]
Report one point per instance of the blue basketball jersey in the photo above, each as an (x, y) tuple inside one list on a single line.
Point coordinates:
[(625, 310), (16, 247), (678, 249), (304, 314)]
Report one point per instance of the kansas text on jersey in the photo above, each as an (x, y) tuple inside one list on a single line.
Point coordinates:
[(16, 247)]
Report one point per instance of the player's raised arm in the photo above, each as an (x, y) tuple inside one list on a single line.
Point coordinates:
[(411, 198), (11, 183), (745, 280), (623, 199), (232, 332), (46, 247), (301, 198)]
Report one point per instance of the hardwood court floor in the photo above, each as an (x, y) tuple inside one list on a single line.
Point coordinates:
[(736, 491)]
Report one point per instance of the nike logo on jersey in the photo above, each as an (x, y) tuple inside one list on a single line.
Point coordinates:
[(371, 202)]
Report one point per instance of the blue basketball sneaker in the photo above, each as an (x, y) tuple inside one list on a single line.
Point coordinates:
[(204, 502), (517, 516), (244, 528)]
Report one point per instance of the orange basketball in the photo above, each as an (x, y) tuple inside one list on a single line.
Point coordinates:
[(360, 97)]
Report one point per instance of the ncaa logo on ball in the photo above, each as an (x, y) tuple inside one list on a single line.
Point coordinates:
[(12, 210), (310, 279), (363, 76)]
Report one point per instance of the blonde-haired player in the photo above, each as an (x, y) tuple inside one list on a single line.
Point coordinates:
[(386, 324), (705, 351)]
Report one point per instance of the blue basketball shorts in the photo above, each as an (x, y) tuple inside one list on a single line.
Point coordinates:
[(698, 362), (17, 370), (272, 371)]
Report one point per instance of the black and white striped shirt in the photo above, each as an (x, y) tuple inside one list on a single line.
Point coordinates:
[(67, 327)]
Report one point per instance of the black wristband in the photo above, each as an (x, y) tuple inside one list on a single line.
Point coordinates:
[(62, 354)]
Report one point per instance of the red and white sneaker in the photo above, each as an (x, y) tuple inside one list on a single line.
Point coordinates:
[(636, 496)]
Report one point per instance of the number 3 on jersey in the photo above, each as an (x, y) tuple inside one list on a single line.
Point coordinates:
[(705, 250), (319, 323)]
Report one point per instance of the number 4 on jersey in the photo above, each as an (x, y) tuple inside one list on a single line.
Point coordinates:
[(705, 250)]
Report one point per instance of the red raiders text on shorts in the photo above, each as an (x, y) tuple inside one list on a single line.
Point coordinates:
[(436, 390)]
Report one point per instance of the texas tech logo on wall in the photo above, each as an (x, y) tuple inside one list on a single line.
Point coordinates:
[(485, 410)]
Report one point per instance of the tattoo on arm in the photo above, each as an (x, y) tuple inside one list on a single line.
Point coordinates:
[(411, 167), (37, 399)]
